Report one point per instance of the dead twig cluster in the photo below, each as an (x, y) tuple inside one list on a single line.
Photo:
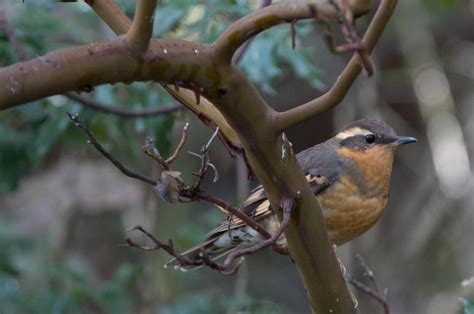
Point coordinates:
[(171, 187)]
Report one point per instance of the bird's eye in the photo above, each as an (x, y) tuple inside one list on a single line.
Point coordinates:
[(370, 138)]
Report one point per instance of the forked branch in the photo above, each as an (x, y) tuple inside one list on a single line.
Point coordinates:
[(140, 32), (336, 93)]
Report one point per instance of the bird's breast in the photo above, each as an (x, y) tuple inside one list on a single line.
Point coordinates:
[(347, 212)]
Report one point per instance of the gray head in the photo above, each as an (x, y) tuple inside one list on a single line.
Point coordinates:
[(364, 134)]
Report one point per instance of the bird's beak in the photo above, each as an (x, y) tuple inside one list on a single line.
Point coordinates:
[(402, 140)]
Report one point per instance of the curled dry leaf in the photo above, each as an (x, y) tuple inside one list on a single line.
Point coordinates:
[(169, 186)]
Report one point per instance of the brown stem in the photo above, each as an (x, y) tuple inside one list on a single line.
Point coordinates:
[(140, 32), (184, 136)]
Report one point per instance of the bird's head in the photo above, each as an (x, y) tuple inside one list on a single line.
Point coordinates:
[(370, 135), (370, 145)]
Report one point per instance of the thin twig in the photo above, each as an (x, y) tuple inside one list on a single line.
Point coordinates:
[(150, 149), (168, 248), (92, 140), (123, 112), (210, 164), (184, 137), (205, 148)]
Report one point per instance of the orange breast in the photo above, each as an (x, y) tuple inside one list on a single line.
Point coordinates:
[(347, 213)]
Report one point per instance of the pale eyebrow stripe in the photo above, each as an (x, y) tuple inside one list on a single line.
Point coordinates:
[(352, 132)]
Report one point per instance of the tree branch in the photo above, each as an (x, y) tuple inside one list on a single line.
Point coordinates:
[(123, 112), (111, 14), (207, 70), (334, 96), (256, 22), (242, 49), (95, 64), (140, 32)]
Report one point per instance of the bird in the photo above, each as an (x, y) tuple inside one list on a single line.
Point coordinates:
[(350, 177)]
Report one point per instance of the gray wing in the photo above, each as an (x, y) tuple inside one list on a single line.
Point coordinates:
[(321, 165)]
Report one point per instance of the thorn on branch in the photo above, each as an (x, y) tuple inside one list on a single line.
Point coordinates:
[(293, 33)]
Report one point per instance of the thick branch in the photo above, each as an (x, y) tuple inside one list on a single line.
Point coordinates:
[(140, 32), (340, 88), (112, 15), (94, 64), (123, 112)]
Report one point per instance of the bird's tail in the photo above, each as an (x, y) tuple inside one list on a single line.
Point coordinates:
[(212, 252)]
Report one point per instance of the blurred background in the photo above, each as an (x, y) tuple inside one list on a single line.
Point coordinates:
[(64, 209)]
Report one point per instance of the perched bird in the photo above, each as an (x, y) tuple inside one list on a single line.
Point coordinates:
[(350, 176)]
